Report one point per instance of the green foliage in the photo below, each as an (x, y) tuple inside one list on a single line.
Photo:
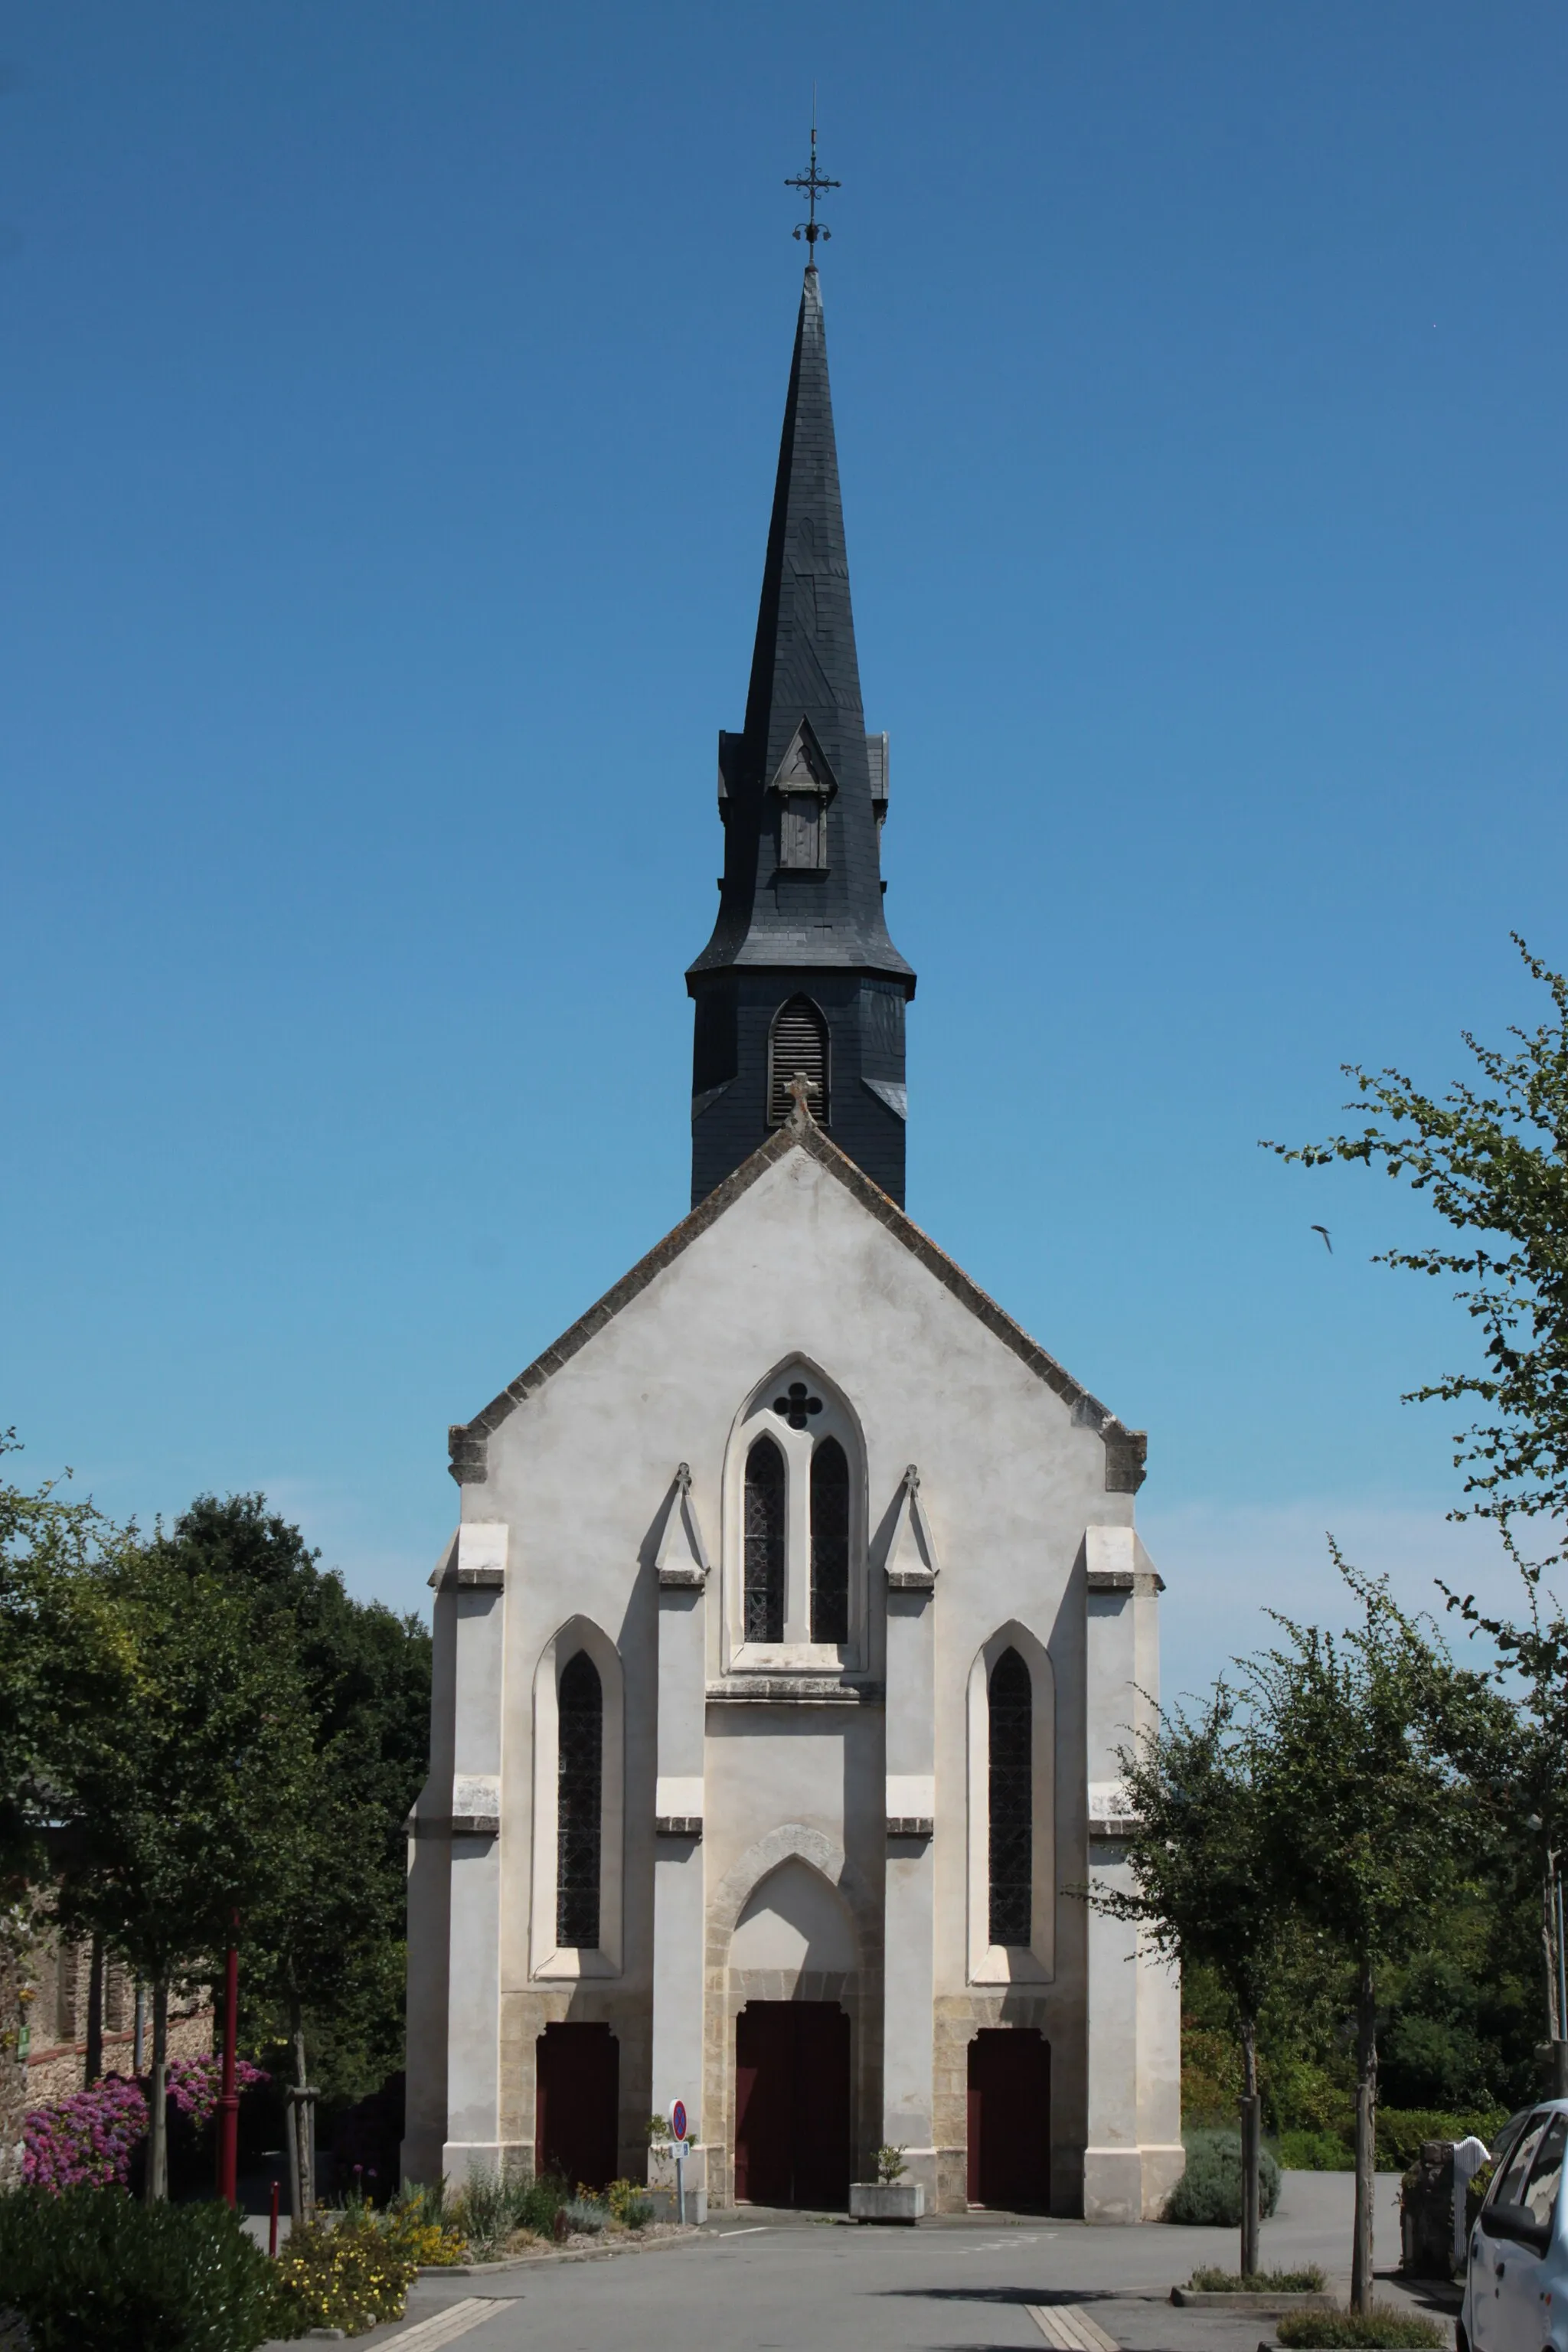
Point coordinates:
[(351, 2276), (1315, 2151), (1209, 2192), (889, 2165), (46, 1541), (586, 2216), (490, 2206), (179, 1747), (1401, 2131), (630, 2205), (1202, 1887), (91, 2270), (1386, 2324), (1494, 1166), (1310, 2281), (365, 1673)]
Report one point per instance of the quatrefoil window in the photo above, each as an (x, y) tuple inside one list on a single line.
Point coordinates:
[(797, 1405)]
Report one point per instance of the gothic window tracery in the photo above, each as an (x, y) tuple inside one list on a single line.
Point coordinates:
[(579, 1792), (1010, 1701), (764, 1542), (829, 1543)]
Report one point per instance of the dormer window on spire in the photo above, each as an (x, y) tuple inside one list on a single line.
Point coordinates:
[(805, 785)]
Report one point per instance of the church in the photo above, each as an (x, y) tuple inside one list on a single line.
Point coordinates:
[(797, 1611)]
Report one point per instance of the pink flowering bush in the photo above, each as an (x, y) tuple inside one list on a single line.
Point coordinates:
[(88, 2140), (195, 2084)]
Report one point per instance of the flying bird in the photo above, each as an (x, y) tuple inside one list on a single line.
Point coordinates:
[(1327, 1243)]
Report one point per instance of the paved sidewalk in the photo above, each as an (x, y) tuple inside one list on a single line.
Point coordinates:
[(761, 2281)]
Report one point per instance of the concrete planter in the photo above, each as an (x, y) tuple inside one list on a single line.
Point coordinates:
[(899, 2202), (1248, 2306)]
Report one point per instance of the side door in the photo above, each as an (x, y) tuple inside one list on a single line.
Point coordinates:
[(1524, 2322), (1490, 2257)]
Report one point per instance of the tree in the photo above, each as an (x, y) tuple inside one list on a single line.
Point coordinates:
[(1364, 1811), (326, 1950), (1494, 1165), (179, 1747), (1202, 1887)]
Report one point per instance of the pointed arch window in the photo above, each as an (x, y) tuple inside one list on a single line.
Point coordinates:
[(764, 1539), (829, 1542), (579, 1788), (1010, 1699), (798, 1041)]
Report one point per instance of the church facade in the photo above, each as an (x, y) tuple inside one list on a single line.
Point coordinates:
[(797, 1611)]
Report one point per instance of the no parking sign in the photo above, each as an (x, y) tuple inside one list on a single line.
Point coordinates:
[(678, 2120)]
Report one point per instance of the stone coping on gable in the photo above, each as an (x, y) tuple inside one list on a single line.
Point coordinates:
[(1125, 1449)]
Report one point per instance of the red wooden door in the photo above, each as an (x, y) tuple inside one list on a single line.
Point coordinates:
[(792, 2103), (577, 2105), (1010, 2119)]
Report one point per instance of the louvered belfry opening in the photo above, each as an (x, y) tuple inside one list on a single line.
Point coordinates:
[(798, 1041), (829, 1543), (1012, 1711), (580, 1714), (764, 1594)]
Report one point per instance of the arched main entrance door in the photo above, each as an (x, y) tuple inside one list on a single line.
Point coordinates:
[(1010, 2119), (792, 2103), (578, 2098)]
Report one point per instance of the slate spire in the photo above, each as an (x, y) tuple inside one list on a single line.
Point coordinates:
[(800, 971)]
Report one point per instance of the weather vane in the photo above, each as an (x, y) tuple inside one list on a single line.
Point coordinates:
[(811, 184)]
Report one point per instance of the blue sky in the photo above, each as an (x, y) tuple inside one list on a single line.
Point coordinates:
[(389, 398)]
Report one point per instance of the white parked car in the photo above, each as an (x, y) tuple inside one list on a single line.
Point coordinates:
[(1516, 2289)]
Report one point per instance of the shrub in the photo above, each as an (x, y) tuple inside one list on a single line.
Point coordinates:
[(196, 2084), (889, 2165), (1209, 2192), (630, 2204), (1315, 2151), (88, 2140), (350, 2276), (1401, 2130), (1384, 2325), (1310, 2281), (417, 2219), (488, 2207), (93, 2271), (585, 2214)]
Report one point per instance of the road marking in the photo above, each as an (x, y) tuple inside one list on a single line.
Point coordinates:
[(1067, 2327), (444, 2326), (752, 2229)]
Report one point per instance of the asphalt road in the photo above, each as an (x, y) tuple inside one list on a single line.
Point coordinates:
[(755, 2281)]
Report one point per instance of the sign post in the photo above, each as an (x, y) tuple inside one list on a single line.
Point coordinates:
[(678, 2133)]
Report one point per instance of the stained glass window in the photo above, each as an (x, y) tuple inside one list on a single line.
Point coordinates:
[(829, 1543), (1011, 1701), (579, 1771), (764, 1542)]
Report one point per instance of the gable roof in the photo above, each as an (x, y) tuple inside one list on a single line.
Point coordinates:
[(1125, 1448)]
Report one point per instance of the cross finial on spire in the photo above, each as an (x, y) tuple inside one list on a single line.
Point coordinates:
[(811, 184)]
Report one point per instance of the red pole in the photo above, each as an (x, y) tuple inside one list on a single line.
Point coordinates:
[(228, 2099), (272, 2224)]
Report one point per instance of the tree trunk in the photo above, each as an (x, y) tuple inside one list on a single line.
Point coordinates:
[(157, 2097), (1251, 2150), (94, 2066), (304, 2120), (1361, 2276)]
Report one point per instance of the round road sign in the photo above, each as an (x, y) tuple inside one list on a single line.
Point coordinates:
[(678, 2120)]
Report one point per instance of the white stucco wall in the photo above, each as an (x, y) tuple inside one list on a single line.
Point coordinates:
[(798, 1278)]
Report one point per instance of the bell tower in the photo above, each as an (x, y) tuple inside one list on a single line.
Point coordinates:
[(800, 974)]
